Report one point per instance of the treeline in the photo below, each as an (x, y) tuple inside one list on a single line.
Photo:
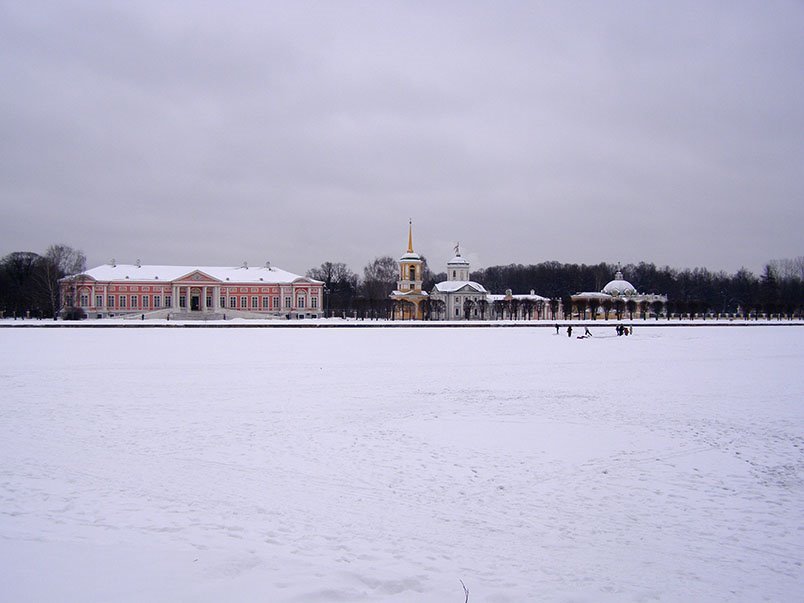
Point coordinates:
[(779, 290), (29, 282)]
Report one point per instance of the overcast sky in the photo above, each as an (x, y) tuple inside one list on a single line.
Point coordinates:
[(298, 132)]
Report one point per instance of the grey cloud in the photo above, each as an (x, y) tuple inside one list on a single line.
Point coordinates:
[(304, 132)]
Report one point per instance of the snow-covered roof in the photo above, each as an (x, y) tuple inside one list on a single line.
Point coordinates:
[(520, 296), (453, 286), (411, 293), (411, 256), (458, 261), (242, 274), (593, 295), (619, 286)]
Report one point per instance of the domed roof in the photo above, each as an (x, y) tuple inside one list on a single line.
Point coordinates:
[(619, 286), (458, 261)]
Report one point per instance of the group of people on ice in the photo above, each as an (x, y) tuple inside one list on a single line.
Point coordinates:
[(621, 330)]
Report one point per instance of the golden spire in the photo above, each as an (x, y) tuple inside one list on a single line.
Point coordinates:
[(410, 236)]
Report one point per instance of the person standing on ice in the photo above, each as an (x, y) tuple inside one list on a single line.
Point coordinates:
[(569, 331), (556, 328), (586, 332)]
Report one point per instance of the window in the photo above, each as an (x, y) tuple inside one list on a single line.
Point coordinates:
[(110, 301), (243, 302), (232, 302), (122, 301), (182, 301), (287, 301), (84, 300), (254, 300), (457, 312), (300, 301), (157, 301), (265, 302), (145, 301), (453, 274), (133, 301), (168, 301), (313, 302), (209, 301), (276, 302), (98, 301), (223, 302), (413, 273)]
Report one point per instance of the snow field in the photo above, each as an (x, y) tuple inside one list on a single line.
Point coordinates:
[(385, 464)]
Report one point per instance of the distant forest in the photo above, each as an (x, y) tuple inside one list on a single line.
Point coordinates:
[(29, 284), (779, 290)]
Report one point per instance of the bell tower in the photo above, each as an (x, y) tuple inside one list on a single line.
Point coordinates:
[(410, 267), (409, 296)]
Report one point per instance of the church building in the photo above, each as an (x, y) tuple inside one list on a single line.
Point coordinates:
[(457, 297)]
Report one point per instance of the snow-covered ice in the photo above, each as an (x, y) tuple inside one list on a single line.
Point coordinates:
[(312, 465)]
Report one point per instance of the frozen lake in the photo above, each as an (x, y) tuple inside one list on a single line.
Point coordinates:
[(388, 464)]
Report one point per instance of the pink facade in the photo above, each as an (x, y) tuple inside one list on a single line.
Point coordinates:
[(161, 290)]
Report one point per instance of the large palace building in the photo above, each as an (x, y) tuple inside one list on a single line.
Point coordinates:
[(192, 292)]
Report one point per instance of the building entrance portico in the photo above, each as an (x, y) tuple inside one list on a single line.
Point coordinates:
[(203, 294)]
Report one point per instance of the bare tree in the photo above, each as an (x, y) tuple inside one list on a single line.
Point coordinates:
[(340, 285), (379, 279), (594, 306), (580, 306), (468, 306), (607, 305), (788, 268), (58, 262), (527, 308), (643, 309), (18, 279), (553, 303), (483, 306), (619, 308)]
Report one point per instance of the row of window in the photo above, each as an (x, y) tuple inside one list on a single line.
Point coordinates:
[(121, 302)]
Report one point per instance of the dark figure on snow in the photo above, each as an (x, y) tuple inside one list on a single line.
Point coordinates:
[(556, 328), (587, 332), (569, 331)]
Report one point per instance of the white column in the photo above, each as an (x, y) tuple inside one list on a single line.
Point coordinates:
[(216, 298), (204, 298), (174, 297)]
